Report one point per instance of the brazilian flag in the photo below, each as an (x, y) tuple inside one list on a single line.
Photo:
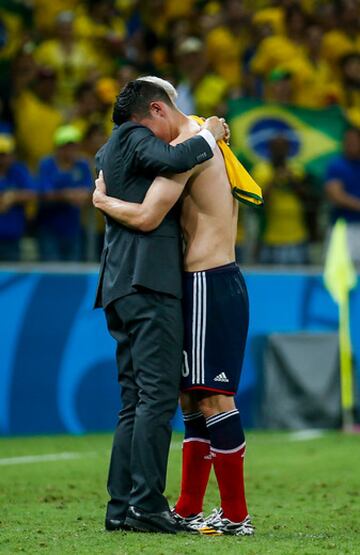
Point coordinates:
[(314, 134)]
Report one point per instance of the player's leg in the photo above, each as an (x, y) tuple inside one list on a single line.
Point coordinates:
[(196, 459), (225, 331), (119, 477), (227, 450)]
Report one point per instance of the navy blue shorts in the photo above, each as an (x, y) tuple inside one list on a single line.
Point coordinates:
[(216, 317)]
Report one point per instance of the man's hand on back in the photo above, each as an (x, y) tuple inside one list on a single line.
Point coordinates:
[(218, 128), (100, 190)]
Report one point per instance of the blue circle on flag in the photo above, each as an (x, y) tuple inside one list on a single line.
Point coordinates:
[(265, 129)]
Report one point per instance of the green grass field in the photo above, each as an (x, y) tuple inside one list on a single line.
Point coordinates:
[(304, 497)]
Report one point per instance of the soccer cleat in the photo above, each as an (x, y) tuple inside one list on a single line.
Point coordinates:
[(227, 527), (195, 524)]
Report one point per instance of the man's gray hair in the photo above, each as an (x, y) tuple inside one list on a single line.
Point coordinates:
[(166, 85)]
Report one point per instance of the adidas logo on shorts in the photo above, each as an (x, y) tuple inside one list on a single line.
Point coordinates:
[(221, 378)]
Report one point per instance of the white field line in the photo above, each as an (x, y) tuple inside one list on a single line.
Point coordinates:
[(301, 435), (65, 456), (50, 457), (306, 435)]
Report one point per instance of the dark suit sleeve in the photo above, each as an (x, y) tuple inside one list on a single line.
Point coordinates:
[(151, 153)]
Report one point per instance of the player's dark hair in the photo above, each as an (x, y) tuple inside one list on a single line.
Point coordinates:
[(135, 99)]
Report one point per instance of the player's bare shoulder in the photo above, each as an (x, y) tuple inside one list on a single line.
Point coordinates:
[(187, 131)]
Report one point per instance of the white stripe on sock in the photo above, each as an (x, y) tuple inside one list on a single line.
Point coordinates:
[(221, 416), (228, 451), (191, 416), (200, 439)]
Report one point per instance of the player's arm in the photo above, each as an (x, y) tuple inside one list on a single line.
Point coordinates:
[(337, 194), (153, 154), (147, 216)]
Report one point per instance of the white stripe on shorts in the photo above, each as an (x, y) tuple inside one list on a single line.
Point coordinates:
[(199, 328), (203, 328), (194, 318)]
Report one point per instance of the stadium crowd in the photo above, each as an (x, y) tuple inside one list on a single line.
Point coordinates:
[(62, 63)]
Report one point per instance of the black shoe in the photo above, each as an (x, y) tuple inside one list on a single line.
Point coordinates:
[(112, 524), (141, 521)]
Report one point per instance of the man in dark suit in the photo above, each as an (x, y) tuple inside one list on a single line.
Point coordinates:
[(140, 290)]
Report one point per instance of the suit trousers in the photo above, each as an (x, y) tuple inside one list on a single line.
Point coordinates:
[(148, 328)]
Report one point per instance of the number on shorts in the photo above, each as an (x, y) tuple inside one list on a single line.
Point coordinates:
[(185, 367)]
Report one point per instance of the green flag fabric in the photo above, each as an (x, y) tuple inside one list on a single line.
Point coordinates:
[(314, 135)]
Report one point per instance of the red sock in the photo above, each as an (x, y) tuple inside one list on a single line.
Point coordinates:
[(196, 466), (229, 470)]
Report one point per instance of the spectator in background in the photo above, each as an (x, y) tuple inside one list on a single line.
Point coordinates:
[(226, 43), (349, 86), (71, 60), (200, 90), (106, 90), (93, 139), (342, 186), (11, 33), (99, 26), (285, 234), (313, 76), (65, 184), (92, 219), (346, 37), (37, 118), (277, 51), (45, 13), (280, 87), (16, 189), (87, 108)]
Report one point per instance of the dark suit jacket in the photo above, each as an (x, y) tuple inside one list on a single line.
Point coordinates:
[(132, 260)]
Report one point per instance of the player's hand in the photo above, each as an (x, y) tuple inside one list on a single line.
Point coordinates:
[(100, 190), (227, 132), (216, 126), (97, 198), (100, 183)]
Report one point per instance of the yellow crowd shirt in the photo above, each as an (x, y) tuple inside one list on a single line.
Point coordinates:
[(275, 51), (336, 44), (284, 214), (46, 12), (72, 67), (36, 123), (313, 83), (92, 33), (13, 27), (224, 52), (209, 93)]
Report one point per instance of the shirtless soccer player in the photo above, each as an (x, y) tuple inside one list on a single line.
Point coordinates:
[(216, 315)]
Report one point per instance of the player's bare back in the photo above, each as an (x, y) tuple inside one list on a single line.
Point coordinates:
[(209, 212)]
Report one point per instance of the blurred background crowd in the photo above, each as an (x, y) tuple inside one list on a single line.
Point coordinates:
[(62, 62)]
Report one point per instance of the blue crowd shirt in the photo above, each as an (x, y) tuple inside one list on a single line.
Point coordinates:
[(348, 172), (61, 218), (13, 222)]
